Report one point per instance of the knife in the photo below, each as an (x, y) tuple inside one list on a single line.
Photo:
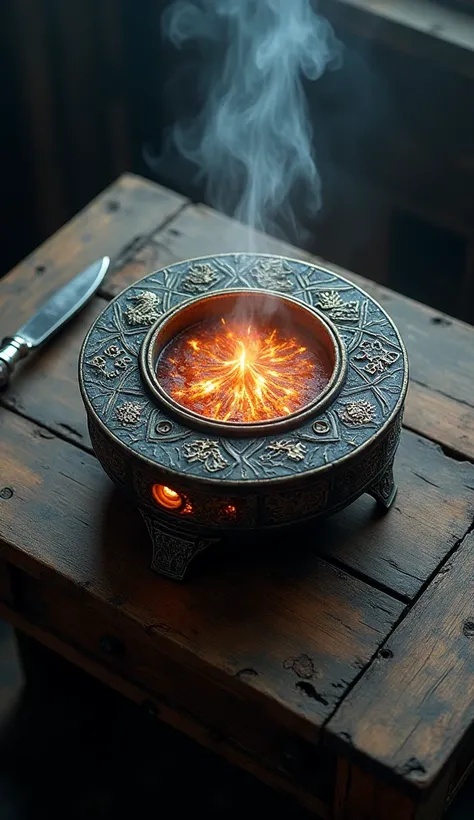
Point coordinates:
[(51, 317)]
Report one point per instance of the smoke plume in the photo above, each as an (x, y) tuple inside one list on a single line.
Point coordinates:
[(251, 141)]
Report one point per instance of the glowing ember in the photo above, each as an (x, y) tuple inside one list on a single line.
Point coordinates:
[(236, 372)]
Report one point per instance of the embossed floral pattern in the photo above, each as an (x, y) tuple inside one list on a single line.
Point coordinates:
[(129, 412), (376, 372), (271, 274), (145, 309), (294, 450), (207, 452), (123, 363), (331, 302), (357, 413), (200, 277), (100, 363), (112, 351), (377, 356)]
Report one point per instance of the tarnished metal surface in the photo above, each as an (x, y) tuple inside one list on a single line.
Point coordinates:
[(371, 396)]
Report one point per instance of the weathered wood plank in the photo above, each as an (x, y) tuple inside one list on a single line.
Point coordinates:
[(124, 647), (441, 419), (163, 709), (196, 231), (418, 27), (303, 627), (434, 508), (131, 208), (415, 704)]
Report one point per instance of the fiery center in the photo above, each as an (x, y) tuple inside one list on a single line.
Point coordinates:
[(236, 372)]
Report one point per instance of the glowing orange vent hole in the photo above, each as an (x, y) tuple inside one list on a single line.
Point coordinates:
[(167, 498), (238, 372)]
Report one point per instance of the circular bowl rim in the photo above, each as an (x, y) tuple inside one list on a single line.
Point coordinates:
[(148, 359), (292, 480)]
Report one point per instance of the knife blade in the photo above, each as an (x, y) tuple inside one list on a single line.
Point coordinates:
[(63, 305)]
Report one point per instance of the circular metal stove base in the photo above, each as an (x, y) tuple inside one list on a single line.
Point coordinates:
[(174, 551), (229, 480)]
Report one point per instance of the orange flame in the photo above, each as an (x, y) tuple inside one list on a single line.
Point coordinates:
[(241, 373)]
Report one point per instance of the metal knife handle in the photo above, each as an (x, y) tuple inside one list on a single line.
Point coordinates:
[(11, 351)]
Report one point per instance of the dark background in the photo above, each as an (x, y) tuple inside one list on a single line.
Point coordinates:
[(84, 94)]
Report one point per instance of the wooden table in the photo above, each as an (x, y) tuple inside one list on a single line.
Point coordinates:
[(341, 674)]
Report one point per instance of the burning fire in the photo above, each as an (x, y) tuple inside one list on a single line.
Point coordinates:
[(236, 372)]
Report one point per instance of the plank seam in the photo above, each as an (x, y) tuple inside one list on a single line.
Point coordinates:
[(441, 393), (439, 571), (42, 426), (449, 452)]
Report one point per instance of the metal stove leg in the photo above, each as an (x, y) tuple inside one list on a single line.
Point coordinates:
[(172, 553), (384, 489)]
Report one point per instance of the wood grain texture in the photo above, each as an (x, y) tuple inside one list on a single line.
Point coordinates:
[(267, 625), (415, 704), (442, 419), (130, 209), (164, 710), (223, 712), (196, 231), (304, 627), (433, 510)]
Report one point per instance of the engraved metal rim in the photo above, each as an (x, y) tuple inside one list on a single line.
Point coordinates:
[(148, 361), (189, 528), (240, 484)]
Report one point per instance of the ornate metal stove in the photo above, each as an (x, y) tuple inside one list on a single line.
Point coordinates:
[(197, 480)]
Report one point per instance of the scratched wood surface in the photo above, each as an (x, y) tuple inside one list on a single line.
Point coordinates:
[(62, 517), (315, 617), (429, 659)]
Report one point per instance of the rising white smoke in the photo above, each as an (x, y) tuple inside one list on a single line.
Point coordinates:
[(251, 143)]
